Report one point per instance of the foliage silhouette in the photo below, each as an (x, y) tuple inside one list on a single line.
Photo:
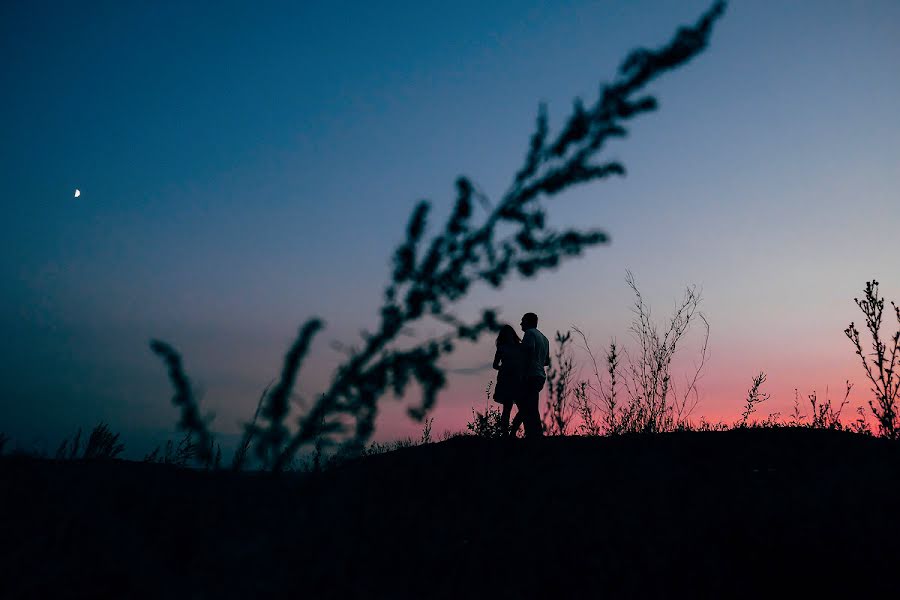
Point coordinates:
[(240, 455), (102, 444), (191, 420), (426, 430), (881, 365), (184, 453), (69, 450), (428, 276), (754, 397), (653, 403), (604, 391), (487, 424), (824, 415), (560, 409)]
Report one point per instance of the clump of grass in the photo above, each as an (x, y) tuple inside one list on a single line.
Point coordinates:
[(179, 454), (68, 450), (385, 447), (426, 430), (102, 444)]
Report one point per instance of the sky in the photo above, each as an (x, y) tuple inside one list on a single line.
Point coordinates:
[(246, 166)]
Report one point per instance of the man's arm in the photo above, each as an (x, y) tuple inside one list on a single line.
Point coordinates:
[(529, 348)]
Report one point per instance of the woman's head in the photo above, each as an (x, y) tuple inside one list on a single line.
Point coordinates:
[(507, 335)]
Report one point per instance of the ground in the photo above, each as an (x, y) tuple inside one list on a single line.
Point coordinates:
[(693, 514)]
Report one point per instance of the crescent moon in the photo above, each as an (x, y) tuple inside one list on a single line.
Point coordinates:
[(77, 193)]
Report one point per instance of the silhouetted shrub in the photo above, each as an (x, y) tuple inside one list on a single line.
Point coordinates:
[(653, 402), (585, 406), (882, 363), (599, 394), (561, 405), (486, 424), (824, 415), (430, 275), (861, 424), (754, 397), (4, 439)]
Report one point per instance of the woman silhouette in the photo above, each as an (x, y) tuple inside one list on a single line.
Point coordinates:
[(509, 363)]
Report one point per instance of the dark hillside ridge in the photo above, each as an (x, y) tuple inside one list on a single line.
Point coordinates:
[(692, 514)]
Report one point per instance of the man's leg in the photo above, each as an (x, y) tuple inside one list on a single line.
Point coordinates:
[(533, 426), (517, 422)]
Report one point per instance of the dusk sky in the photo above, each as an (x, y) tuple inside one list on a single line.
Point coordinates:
[(245, 166)]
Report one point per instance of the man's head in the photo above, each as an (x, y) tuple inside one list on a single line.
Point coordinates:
[(529, 321)]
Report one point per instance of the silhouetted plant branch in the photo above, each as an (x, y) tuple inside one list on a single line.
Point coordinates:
[(69, 450), (240, 455), (191, 421), (606, 393), (755, 396), (426, 430), (430, 275), (880, 365), (276, 404)]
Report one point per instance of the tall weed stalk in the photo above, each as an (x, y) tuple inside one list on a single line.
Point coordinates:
[(431, 274)]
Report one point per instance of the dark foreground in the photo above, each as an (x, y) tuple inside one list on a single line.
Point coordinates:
[(679, 515)]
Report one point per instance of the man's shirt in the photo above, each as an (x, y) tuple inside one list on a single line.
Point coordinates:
[(537, 352)]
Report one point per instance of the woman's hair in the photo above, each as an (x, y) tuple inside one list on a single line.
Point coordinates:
[(507, 335)]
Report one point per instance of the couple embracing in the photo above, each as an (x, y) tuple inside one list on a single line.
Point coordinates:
[(520, 378)]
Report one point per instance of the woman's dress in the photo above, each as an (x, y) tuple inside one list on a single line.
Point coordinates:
[(509, 361)]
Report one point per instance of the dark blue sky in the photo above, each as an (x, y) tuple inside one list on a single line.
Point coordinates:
[(246, 165)]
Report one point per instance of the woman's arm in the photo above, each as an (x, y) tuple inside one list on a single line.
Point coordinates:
[(497, 359)]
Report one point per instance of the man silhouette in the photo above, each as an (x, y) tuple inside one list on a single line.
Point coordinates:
[(536, 354)]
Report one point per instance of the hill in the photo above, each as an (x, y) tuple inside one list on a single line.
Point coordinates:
[(717, 514)]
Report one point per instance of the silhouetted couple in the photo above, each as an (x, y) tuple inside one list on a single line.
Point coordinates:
[(520, 378)]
